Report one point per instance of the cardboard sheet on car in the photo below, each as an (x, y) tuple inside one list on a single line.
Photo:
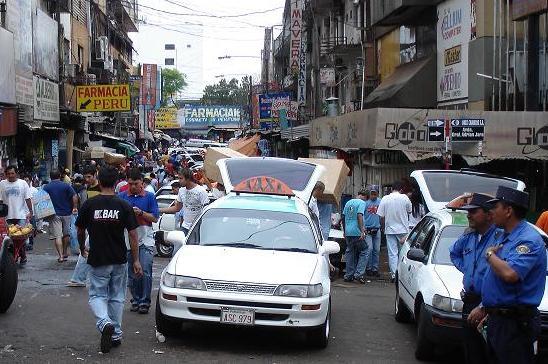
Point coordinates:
[(213, 154), (334, 177)]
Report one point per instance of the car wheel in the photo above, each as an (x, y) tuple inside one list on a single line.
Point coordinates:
[(401, 312), (425, 348), (8, 281), (164, 251), (164, 324), (318, 336)]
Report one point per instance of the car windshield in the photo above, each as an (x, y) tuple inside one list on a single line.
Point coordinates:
[(254, 229), (164, 191), (448, 236), (444, 187), (164, 202)]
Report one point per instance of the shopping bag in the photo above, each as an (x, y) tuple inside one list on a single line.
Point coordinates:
[(43, 207), (74, 245)]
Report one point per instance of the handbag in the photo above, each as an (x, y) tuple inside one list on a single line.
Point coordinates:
[(43, 207)]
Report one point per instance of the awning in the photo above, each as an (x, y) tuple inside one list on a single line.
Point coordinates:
[(415, 156), (411, 85), (296, 133)]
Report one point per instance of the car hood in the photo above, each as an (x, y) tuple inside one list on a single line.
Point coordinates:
[(451, 278), (244, 265)]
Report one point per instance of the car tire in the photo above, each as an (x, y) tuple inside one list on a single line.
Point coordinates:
[(164, 251), (425, 348), (8, 281), (401, 312), (318, 337), (164, 324)]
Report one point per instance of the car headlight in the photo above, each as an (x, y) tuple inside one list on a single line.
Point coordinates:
[(183, 282), (300, 290), (447, 304)]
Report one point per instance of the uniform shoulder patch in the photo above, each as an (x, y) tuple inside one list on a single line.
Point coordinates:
[(523, 249)]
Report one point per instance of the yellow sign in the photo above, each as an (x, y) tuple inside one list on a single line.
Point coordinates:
[(103, 98), (452, 55), (166, 118)]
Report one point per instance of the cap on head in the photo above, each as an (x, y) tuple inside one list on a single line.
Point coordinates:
[(511, 196), (478, 201)]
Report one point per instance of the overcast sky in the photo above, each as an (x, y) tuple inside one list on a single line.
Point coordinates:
[(237, 36)]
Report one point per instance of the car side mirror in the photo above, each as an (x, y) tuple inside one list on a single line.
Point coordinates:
[(330, 247), (176, 237), (3, 210), (416, 254)]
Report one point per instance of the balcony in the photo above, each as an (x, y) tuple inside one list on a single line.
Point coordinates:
[(403, 12), (126, 13), (329, 44)]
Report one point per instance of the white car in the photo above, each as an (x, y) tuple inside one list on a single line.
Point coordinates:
[(254, 257), (428, 285)]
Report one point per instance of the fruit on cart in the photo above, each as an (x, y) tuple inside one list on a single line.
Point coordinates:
[(17, 230)]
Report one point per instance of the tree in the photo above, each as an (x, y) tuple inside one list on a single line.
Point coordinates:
[(173, 83), (227, 93)]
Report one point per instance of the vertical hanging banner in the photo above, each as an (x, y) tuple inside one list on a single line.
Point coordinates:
[(148, 85), (301, 85), (296, 35)]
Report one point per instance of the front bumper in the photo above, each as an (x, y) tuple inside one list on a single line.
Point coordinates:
[(274, 311), (443, 327)]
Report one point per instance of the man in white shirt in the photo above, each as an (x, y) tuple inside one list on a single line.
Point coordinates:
[(394, 211), (15, 193), (192, 199)]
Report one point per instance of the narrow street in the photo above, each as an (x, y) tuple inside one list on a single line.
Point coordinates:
[(49, 322)]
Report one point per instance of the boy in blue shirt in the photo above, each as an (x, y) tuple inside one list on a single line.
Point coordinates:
[(354, 232)]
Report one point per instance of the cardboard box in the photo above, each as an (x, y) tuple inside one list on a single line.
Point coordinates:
[(213, 154), (114, 158), (334, 178)]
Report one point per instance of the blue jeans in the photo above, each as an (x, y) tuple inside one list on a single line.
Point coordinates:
[(107, 294), (374, 247), (141, 288), (393, 246), (355, 257), (80, 274)]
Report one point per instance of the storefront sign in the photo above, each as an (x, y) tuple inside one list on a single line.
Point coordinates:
[(453, 33), (523, 8), (327, 77), (265, 103), (46, 100), (301, 85), (8, 121), (467, 130), (296, 35), (103, 98), (199, 116), (291, 108), (166, 118)]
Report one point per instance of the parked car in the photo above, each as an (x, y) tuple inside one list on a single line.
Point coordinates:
[(254, 257), (8, 268)]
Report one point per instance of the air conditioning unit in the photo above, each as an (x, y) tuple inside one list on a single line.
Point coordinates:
[(109, 63), (72, 70), (101, 48)]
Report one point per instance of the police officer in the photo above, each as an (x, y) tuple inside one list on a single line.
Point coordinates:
[(467, 254), (513, 285)]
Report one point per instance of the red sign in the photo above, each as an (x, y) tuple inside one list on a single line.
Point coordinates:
[(8, 121), (148, 85), (264, 185)]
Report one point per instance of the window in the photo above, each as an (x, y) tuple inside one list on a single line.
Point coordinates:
[(448, 236), (169, 47), (170, 61), (268, 230), (80, 55)]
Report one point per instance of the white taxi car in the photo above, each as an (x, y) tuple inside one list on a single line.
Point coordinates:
[(254, 257)]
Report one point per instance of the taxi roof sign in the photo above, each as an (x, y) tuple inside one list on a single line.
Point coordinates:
[(103, 98), (263, 185)]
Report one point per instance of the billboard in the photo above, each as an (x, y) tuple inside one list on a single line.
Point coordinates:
[(149, 84), (453, 35), (46, 99), (166, 118), (265, 104), (19, 22), (7, 74), (44, 45), (103, 98), (203, 116)]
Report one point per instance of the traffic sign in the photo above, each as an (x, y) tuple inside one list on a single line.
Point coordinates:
[(467, 130), (103, 98), (435, 130)]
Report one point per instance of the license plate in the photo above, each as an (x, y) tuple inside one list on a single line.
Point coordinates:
[(237, 316)]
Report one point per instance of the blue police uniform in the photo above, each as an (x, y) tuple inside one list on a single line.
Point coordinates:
[(468, 256), (513, 322)]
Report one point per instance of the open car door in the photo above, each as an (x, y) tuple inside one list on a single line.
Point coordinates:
[(300, 177)]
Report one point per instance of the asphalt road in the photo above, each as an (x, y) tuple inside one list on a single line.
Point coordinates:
[(49, 322)]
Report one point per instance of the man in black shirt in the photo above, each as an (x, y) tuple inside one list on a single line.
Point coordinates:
[(105, 217)]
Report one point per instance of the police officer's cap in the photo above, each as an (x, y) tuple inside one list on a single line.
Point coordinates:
[(512, 196), (478, 201)]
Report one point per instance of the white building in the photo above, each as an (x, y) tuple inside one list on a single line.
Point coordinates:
[(181, 49)]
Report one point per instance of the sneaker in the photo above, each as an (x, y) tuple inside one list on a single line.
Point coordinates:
[(106, 338), (23, 262), (143, 310), (116, 343), (134, 307), (349, 279), (361, 279), (392, 279)]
